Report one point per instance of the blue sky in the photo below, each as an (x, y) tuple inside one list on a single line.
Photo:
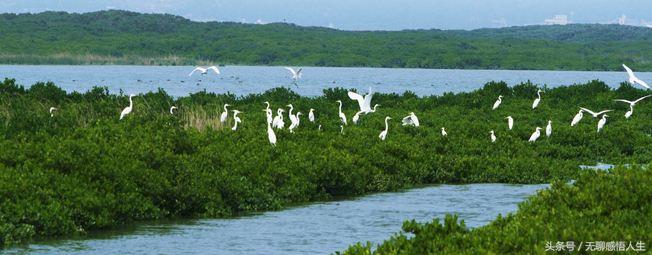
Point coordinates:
[(367, 14)]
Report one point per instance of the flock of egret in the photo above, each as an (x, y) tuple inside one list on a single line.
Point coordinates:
[(364, 103)]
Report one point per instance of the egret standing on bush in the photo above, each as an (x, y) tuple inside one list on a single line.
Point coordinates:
[(236, 120), (269, 113), (443, 132), (510, 122), (172, 109), (127, 110), (497, 103), (602, 122), (270, 132), (225, 114), (577, 117), (341, 114), (52, 109), (549, 128), (278, 120), (383, 134), (537, 100), (493, 136), (535, 135), (311, 115)]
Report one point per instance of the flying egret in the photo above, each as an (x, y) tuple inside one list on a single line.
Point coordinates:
[(631, 105), (296, 74), (443, 132), (52, 109), (595, 114), (383, 134), (493, 136), (203, 70), (497, 103), (535, 135), (270, 132), (278, 120), (577, 117), (356, 117), (411, 120), (549, 128), (633, 79), (602, 122), (127, 110), (236, 120), (341, 114), (311, 115), (363, 102), (537, 100), (172, 109), (295, 122), (225, 114), (510, 122)]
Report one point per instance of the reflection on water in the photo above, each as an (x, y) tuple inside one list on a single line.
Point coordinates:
[(241, 80), (319, 228)]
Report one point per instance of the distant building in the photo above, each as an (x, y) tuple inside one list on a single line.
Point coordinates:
[(557, 20)]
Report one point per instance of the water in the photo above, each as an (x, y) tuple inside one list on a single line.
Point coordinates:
[(319, 228), (241, 80)]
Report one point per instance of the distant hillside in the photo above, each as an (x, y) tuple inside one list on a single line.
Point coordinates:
[(133, 38)]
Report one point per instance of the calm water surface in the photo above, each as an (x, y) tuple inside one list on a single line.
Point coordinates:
[(319, 228), (241, 80)]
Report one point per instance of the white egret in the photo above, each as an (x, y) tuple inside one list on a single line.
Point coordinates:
[(267, 104), (268, 111), (341, 114), (52, 109), (363, 102), (577, 118), (602, 122), (356, 117), (411, 120), (595, 114), (295, 122), (225, 114), (443, 132), (383, 134), (633, 79), (493, 136), (290, 115), (549, 128), (270, 132), (510, 122), (535, 135), (278, 120), (236, 120), (311, 115), (296, 74), (203, 70), (319, 128), (631, 105), (537, 100), (497, 103), (374, 109), (172, 109), (127, 110)]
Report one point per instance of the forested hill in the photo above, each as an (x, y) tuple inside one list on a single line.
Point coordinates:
[(132, 38)]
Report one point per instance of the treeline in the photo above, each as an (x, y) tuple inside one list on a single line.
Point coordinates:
[(82, 169), (133, 38)]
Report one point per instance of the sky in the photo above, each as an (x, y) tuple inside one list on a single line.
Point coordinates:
[(367, 14)]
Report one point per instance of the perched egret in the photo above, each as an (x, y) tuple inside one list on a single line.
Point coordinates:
[(203, 70), (549, 128), (631, 105), (595, 114), (356, 117), (411, 120), (537, 100), (535, 135), (127, 110), (311, 115), (577, 118), (295, 122), (602, 122), (633, 79), (236, 120), (225, 114), (510, 122), (267, 104), (296, 74), (493, 136), (443, 132), (172, 109), (383, 134), (341, 114), (52, 109), (270, 132), (497, 103), (278, 120), (363, 102), (268, 111), (290, 115)]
